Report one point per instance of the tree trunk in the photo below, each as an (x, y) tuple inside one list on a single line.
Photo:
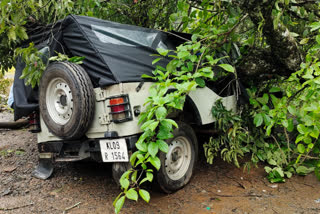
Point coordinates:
[(283, 57)]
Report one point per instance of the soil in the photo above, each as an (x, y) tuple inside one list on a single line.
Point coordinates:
[(217, 188)]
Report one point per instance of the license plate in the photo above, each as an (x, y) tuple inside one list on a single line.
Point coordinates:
[(114, 150)]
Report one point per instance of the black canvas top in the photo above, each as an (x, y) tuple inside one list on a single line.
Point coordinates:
[(113, 52)]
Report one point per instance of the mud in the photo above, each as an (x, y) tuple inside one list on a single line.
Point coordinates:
[(217, 188)]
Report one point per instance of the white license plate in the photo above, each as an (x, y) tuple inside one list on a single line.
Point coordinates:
[(114, 150)]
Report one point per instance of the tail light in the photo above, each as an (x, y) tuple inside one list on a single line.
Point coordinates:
[(34, 122), (120, 109)]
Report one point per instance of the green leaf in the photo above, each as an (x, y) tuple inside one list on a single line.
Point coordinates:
[(153, 126), (277, 180), (153, 149), (200, 82), (142, 117), (172, 122), (267, 119), (76, 59), (193, 58), (147, 124), (163, 146), (302, 170), (264, 99), (315, 133), (285, 123), (183, 54), (292, 109), (268, 130), (164, 134), (21, 32), (119, 204), (196, 46), (155, 61), (142, 146), (315, 26), (145, 76), (258, 120), (267, 169), (272, 162), (12, 33), (171, 66), (162, 51), (301, 148), (302, 129), (134, 176), (318, 39), (155, 161), (299, 138), (194, 37), (279, 172), (132, 194), (149, 176), (144, 195), (290, 125), (124, 182), (288, 174), (304, 41), (227, 67), (161, 113), (274, 89)]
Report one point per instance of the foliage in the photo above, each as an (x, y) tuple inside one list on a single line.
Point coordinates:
[(62, 57), (232, 139), (9, 152), (183, 74), (296, 111), (238, 137), (20, 18), (4, 88), (36, 62)]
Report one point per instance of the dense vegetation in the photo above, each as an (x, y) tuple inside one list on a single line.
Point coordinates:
[(278, 42)]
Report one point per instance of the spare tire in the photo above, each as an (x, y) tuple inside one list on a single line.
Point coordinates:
[(66, 100)]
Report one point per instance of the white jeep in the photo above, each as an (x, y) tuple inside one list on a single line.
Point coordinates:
[(78, 122), (92, 110)]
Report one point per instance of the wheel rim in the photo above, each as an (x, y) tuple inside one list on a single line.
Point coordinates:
[(59, 101), (178, 158)]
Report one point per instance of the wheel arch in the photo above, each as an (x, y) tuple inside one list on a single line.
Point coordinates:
[(190, 105)]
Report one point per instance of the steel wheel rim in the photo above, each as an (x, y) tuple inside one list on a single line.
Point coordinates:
[(59, 101), (178, 158)]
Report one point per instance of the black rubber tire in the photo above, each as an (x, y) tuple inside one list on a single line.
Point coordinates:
[(83, 99), (118, 169), (166, 184)]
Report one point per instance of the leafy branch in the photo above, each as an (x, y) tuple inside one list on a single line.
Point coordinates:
[(182, 74)]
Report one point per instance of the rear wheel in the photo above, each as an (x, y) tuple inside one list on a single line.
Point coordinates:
[(118, 169), (66, 100), (178, 164)]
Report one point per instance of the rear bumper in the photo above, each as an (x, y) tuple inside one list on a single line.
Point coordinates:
[(80, 149)]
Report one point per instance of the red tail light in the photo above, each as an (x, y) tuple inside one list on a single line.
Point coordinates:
[(116, 105), (120, 109)]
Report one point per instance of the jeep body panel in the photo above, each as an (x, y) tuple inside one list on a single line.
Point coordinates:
[(202, 98)]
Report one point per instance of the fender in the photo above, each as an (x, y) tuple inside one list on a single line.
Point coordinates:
[(202, 101)]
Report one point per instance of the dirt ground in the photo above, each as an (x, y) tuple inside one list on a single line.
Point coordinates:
[(217, 188)]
